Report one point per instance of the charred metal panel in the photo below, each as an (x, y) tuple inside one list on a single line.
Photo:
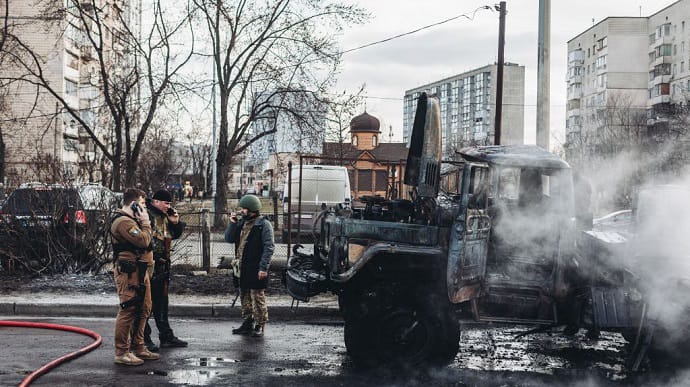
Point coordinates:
[(414, 234), (514, 155), (416, 142), (612, 308), (468, 245), (423, 168)]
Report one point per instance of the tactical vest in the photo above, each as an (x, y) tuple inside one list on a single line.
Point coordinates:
[(120, 246)]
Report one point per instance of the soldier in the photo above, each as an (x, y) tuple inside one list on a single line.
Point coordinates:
[(166, 226), (131, 238), (253, 238)]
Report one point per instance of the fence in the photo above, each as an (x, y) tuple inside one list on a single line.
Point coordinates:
[(200, 246)]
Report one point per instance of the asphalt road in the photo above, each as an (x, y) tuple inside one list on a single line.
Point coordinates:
[(310, 354)]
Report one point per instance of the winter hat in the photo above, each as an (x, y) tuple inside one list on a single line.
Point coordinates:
[(251, 203), (162, 195)]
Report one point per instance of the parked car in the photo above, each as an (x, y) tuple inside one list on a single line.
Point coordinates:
[(619, 221), (321, 185), (58, 220)]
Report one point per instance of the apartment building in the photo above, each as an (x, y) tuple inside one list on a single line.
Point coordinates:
[(468, 107), (639, 66), (42, 140)]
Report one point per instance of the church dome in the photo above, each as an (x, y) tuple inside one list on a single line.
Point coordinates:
[(365, 123)]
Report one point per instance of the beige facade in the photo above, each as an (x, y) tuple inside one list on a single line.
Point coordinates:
[(43, 141), (468, 107), (638, 63)]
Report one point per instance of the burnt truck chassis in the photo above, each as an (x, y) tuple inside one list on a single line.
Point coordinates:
[(406, 272)]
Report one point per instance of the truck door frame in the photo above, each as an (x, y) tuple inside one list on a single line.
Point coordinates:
[(469, 239)]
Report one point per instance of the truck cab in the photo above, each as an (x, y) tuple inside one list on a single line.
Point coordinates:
[(487, 237)]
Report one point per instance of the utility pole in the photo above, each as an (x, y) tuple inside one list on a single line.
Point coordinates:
[(543, 74), (499, 72), (214, 149)]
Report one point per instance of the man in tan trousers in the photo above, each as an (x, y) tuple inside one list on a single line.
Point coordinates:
[(131, 238)]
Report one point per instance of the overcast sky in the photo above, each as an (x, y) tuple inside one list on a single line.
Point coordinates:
[(390, 68)]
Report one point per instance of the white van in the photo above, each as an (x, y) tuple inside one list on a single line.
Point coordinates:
[(321, 184)]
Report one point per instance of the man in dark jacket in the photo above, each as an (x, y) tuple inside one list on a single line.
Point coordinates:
[(253, 239), (166, 226)]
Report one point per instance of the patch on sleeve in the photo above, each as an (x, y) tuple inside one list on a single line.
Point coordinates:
[(134, 231)]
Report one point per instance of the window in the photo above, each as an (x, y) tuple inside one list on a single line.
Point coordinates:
[(354, 140), (682, 26), (373, 141), (71, 88), (682, 67)]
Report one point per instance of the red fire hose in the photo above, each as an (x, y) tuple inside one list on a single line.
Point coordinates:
[(49, 366)]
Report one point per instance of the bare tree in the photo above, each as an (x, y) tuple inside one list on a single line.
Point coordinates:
[(341, 109), (263, 52), (134, 70)]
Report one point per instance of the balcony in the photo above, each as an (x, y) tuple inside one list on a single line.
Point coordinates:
[(660, 99), (575, 79), (660, 79), (573, 112), (575, 94), (668, 39), (660, 60)]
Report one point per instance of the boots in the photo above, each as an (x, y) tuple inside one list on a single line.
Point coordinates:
[(258, 330), (173, 342), (245, 328), (150, 345)]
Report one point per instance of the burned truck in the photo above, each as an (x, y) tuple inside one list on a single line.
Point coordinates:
[(489, 237)]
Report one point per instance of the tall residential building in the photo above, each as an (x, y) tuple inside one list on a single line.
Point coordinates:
[(468, 107), (626, 72), (43, 141)]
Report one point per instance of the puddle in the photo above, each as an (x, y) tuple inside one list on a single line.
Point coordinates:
[(193, 377), (210, 361)]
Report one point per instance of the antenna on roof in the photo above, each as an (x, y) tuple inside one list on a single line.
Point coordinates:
[(390, 133)]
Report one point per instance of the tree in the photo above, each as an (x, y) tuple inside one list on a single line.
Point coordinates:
[(262, 53), (341, 110), (134, 70)]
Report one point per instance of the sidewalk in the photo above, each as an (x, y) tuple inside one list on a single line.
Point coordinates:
[(280, 307)]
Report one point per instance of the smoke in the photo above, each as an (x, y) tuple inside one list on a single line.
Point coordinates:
[(659, 252), (531, 216), (657, 189)]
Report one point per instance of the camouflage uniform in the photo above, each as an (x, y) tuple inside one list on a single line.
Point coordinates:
[(126, 230), (254, 246)]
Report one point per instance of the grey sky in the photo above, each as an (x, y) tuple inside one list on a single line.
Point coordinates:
[(388, 69)]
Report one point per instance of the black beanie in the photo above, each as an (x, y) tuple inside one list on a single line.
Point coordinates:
[(162, 195)]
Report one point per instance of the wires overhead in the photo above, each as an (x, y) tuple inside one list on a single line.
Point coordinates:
[(469, 16)]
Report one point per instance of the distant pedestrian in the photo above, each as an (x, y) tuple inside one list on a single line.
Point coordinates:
[(253, 239), (131, 237)]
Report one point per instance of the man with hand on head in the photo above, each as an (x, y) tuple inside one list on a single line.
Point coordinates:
[(131, 237), (253, 239), (166, 226)]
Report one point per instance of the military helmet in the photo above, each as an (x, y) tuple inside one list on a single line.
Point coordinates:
[(251, 203)]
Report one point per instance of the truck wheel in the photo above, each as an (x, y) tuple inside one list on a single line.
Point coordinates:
[(358, 343), (405, 336), (449, 341)]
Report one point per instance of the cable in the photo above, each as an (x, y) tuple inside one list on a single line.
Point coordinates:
[(49, 366), (465, 15)]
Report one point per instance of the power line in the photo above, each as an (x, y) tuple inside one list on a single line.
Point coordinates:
[(465, 15)]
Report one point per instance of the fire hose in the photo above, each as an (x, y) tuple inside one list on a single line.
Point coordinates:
[(49, 366)]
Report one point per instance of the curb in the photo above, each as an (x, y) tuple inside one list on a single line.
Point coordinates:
[(278, 312)]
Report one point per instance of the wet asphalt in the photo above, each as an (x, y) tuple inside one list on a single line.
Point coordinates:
[(312, 353)]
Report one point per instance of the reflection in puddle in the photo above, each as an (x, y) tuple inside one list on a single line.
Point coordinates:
[(210, 361), (200, 377), (192, 377)]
